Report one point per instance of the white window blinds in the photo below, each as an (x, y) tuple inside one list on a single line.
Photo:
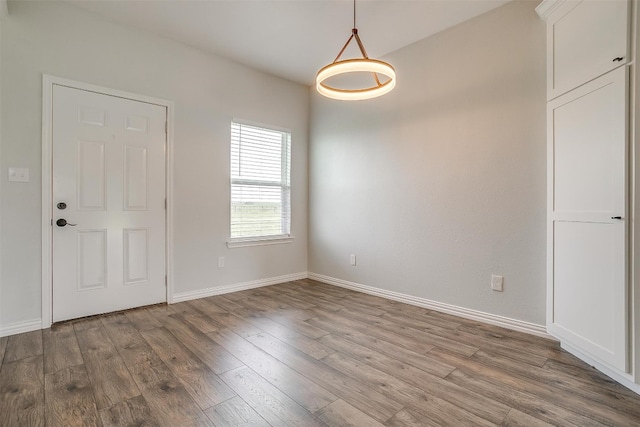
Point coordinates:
[(260, 182)]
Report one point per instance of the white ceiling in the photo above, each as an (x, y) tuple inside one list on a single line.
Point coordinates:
[(289, 38)]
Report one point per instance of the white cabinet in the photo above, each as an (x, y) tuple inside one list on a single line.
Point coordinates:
[(587, 223), (585, 39), (589, 58)]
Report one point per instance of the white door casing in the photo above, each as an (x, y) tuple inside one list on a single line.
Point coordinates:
[(108, 165), (587, 226)]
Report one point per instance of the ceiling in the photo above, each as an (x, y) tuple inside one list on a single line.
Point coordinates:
[(289, 38)]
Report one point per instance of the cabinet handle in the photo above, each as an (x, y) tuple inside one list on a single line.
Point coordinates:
[(616, 217), (618, 59)]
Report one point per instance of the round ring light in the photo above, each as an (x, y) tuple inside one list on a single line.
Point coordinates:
[(356, 66)]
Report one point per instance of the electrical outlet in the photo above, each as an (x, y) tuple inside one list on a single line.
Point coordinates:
[(352, 259), (220, 262), (496, 283)]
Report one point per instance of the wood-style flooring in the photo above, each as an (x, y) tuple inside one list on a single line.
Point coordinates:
[(298, 354)]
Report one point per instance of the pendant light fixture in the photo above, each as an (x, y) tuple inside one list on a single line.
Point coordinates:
[(358, 65)]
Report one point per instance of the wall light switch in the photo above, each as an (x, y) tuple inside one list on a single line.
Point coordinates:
[(18, 175), (496, 283), (352, 259), (220, 262)]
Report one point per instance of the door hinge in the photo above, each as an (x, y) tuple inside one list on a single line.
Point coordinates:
[(165, 204), (166, 127), (165, 281)]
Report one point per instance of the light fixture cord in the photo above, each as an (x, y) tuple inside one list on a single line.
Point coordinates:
[(354, 14)]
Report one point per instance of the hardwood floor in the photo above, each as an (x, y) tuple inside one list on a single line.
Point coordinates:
[(298, 354)]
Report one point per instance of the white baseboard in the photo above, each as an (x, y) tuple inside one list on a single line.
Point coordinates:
[(219, 290), (20, 327), (493, 319), (624, 379)]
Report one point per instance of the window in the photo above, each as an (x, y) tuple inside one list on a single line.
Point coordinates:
[(260, 184)]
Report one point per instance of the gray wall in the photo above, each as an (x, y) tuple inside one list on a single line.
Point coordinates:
[(441, 183), (54, 38)]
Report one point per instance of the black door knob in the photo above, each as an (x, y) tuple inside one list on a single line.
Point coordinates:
[(62, 222)]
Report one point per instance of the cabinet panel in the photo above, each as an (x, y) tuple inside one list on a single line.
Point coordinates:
[(587, 243), (588, 131), (585, 40), (586, 295)]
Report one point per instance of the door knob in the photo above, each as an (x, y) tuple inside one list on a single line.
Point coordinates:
[(62, 222)]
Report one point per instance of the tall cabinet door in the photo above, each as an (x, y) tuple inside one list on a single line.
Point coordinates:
[(587, 192)]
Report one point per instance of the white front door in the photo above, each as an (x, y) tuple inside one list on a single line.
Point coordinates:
[(588, 219), (109, 186)]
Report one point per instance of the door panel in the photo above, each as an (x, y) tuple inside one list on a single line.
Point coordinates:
[(587, 218), (91, 167), (109, 169), (92, 259), (135, 179), (585, 42), (584, 303), (136, 255), (586, 165)]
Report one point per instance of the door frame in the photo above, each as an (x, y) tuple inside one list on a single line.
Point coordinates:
[(48, 82)]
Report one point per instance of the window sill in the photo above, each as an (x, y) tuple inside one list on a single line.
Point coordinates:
[(258, 241)]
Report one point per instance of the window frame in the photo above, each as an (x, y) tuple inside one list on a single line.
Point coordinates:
[(285, 185)]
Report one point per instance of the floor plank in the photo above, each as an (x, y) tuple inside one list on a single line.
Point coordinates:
[(130, 412), (24, 345), (528, 403), (336, 318), (203, 385), (209, 352), (437, 412), (223, 304), (87, 323), (340, 413), (601, 413), (297, 340), (476, 407), (407, 418), (235, 324), (273, 405), (360, 345), (436, 336), (60, 348), (359, 395), (235, 412), (195, 317), (70, 399), (591, 375), (305, 392), (168, 399), (3, 348), (111, 381), (142, 319), (22, 392), (516, 418), (560, 380), (300, 326)]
